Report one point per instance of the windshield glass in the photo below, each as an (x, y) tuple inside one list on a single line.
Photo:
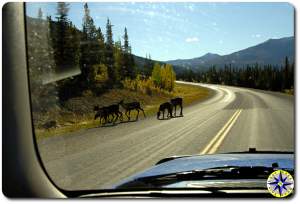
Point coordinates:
[(116, 87)]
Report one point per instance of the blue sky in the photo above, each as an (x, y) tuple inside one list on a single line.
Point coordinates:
[(169, 31)]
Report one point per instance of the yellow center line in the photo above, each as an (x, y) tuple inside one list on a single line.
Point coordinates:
[(215, 143)]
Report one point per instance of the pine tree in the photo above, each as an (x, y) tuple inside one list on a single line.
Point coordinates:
[(109, 34), (286, 73), (84, 49), (61, 38), (126, 42), (66, 41), (101, 43), (148, 66), (128, 64), (120, 72), (92, 48), (109, 55), (89, 28), (291, 76), (40, 14)]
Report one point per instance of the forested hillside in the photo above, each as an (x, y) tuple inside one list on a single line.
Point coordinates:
[(67, 62), (73, 69), (267, 77)]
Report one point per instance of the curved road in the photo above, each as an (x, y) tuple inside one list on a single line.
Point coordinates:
[(233, 119)]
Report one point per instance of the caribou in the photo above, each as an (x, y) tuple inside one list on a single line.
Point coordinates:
[(177, 102), (106, 111), (165, 106), (101, 113), (132, 106)]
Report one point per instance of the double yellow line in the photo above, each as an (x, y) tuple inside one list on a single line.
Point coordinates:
[(216, 142)]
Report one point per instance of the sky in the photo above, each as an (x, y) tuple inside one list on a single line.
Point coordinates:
[(169, 31)]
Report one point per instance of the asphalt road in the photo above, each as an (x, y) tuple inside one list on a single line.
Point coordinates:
[(233, 119)]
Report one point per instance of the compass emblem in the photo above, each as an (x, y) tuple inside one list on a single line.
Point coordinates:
[(280, 183)]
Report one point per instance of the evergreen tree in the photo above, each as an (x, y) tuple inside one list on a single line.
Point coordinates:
[(66, 41), (89, 29), (92, 48), (66, 52), (109, 55), (126, 42), (40, 14), (291, 76), (147, 67), (101, 43), (128, 64), (119, 70), (109, 34), (286, 80)]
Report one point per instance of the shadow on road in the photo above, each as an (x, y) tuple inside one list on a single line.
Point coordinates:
[(107, 125), (116, 123), (128, 121), (164, 118), (180, 116)]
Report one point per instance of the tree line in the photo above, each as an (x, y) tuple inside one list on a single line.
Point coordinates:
[(103, 62), (266, 77)]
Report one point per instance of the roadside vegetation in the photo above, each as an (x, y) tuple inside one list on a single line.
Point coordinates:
[(77, 113)]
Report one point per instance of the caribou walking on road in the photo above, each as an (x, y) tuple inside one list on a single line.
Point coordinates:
[(102, 113), (165, 106), (107, 111), (177, 102), (132, 106)]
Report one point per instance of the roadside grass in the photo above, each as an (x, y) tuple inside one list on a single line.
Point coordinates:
[(70, 122)]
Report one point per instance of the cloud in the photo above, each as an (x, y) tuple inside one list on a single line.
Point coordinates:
[(190, 7), (191, 39), (255, 35)]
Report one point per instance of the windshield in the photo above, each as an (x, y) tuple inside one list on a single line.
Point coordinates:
[(116, 87)]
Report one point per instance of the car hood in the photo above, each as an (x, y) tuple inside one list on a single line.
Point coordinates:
[(201, 162)]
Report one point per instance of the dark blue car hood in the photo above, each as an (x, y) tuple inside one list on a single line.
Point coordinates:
[(201, 162)]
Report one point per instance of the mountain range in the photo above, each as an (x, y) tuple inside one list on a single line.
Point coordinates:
[(272, 51)]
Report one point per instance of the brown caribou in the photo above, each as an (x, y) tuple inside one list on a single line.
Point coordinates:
[(106, 111), (102, 113), (165, 106), (132, 106), (177, 102)]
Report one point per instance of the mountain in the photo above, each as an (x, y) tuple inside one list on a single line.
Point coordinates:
[(272, 51), (195, 62), (141, 61)]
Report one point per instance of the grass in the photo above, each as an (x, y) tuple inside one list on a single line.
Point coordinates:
[(75, 120)]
